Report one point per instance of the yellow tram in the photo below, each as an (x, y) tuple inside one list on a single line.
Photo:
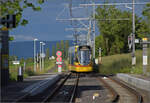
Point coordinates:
[(80, 59)]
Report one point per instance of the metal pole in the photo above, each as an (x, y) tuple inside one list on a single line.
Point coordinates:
[(35, 55), (40, 56), (89, 34), (37, 59), (93, 31), (43, 55), (100, 56), (145, 57), (133, 33)]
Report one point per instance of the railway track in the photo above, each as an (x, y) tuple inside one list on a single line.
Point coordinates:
[(91, 90), (27, 97), (63, 91), (66, 91), (121, 92)]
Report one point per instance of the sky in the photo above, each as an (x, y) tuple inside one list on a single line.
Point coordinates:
[(44, 26)]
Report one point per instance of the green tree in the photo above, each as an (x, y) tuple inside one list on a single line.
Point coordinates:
[(29, 60), (17, 7), (146, 13), (13, 58), (53, 50), (114, 34), (47, 53), (62, 48), (66, 48), (57, 46)]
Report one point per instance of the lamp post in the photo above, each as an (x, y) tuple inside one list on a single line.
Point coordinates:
[(35, 54), (43, 55), (133, 35)]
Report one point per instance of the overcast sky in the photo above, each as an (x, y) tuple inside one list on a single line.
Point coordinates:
[(43, 24)]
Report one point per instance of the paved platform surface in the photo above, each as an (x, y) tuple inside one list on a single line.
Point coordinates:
[(17, 89), (141, 76), (138, 81)]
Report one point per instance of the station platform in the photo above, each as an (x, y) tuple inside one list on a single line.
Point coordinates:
[(32, 85), (139, 81), (141, 77)]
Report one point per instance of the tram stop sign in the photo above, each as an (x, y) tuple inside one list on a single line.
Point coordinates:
[(59, 53), (59, 59)]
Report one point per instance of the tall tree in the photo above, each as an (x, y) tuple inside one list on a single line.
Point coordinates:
[(114, 34), (57, 46), (146, 13), (17, 7), (62, 48), (47, 53), (53, 50), (66, 48)]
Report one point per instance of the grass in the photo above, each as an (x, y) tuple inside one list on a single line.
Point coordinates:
[(121, 63), (29, 69)]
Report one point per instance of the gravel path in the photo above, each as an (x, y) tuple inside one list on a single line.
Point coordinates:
[(90, 90)]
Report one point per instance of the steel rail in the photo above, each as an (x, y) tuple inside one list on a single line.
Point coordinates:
[(56, 89), (131, 89), (114, 93), (74, 89)]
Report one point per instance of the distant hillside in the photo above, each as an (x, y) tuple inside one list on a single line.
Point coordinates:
[(25, 49)]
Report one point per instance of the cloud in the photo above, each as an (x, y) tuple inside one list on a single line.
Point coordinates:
[(22, 37), (69, 36)]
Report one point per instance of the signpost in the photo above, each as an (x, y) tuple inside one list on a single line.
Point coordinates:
[(145, 43), (130, 41), (100, 56), (20, 70), (59, 53), (16, 62), (145, 59), (59, 60)]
